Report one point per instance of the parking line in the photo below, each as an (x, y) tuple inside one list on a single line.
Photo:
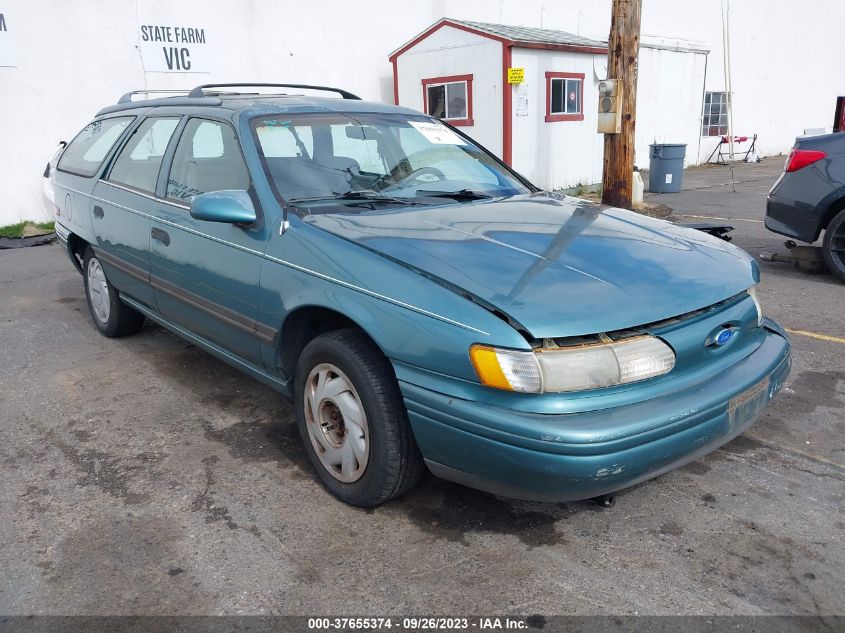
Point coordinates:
[(821, 337), (710, 217)]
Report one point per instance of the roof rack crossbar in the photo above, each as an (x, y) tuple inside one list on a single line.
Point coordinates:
[(127, 98), (199, 91)]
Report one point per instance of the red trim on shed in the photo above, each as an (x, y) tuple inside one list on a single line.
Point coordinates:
[(574, 48), (436, 27), (395, 82), (559, 116), (445, 80)]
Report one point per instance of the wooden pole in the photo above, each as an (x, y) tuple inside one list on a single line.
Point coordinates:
[(622, 59)]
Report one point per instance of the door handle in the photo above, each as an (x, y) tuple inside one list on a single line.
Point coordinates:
[(161, 236), (98, 211)]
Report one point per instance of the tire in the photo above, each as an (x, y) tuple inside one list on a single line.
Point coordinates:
[(833, 245), (348, 403), (111, 316)]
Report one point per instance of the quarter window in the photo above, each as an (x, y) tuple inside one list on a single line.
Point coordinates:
[(208, 158), (140, 159), (87, 151), (564, 96), (449, 98), (715, 119)]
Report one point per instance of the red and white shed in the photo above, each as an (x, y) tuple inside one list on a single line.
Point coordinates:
[(543, 121)]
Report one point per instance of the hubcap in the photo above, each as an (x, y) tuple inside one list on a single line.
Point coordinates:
[(98, 291), (337, 423)]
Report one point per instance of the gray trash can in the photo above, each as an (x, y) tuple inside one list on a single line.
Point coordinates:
[(666, 167)]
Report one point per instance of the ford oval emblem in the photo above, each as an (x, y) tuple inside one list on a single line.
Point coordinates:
[(723, 336)]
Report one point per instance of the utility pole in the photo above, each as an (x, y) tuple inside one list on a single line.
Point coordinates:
[(623, 51)]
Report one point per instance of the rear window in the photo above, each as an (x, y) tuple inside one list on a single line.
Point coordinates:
[(87, 151)]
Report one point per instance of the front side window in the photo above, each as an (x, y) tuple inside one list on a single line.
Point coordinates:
[(208, 158), (564, 96), (449, 98), (140, 159), (85, 153), (715, 119), (321, 162)]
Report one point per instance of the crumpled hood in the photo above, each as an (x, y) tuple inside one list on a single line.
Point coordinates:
[(559, 266)]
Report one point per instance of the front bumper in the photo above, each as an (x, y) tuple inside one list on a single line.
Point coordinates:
[(463, 440)]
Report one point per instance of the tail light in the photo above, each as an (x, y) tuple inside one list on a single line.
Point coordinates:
[(800, 158)]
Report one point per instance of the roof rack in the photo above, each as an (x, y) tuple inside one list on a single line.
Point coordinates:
[(127, 98), (199, 91)]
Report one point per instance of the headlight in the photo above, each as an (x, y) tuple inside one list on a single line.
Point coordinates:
[(752, 292), (574, 368)]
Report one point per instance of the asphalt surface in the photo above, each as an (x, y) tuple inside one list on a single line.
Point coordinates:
[(141, 476)]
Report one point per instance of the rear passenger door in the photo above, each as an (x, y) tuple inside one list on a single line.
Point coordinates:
[(123, 204), (206, 274)]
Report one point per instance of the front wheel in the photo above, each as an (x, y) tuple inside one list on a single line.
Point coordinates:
[(833, 245), (111, 316), (353, 421)]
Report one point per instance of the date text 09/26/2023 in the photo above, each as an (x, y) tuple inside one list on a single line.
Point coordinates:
[(417, 623)]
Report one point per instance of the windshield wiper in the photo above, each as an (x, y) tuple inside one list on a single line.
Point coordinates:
[(460, 194), (365, 195)]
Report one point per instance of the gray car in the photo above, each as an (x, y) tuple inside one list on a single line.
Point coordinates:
[(809, 197)]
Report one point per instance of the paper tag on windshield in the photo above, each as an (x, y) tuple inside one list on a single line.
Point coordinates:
[(437, 133)]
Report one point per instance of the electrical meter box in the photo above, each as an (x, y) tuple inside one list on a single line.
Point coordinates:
[(610, 106)]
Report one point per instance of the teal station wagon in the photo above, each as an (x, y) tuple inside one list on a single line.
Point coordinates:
[(421, 303)]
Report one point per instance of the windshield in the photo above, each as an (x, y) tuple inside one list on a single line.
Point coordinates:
[(322, 161)]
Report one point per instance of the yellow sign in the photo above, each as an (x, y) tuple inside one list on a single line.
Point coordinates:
[(516, 75)]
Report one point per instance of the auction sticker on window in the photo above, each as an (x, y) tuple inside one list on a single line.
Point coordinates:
[(437, 133)]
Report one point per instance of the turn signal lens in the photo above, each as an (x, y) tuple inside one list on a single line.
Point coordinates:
[(576, 368), (506, 369)]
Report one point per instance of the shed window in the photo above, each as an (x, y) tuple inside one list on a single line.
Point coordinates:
[(715, 119), (564, 96), (449, 98)]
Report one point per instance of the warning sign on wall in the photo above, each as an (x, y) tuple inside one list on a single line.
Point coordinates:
[(174, 47), (7, 49), (516, 75)]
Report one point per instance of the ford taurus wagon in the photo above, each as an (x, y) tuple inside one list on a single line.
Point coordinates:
[(423, 305)]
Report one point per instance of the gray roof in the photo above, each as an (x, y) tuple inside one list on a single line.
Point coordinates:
[(527, 35), (532, 35)]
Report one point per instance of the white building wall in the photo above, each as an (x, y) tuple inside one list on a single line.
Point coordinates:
[(450, 51), (670, 87), (75, 57), (555, 154)]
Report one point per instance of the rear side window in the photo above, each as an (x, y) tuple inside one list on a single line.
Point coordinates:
[(140, 159), (87, 151), (208, 158)]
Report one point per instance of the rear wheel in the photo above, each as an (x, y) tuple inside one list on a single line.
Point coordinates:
[(353, 421), (833, 245), (111, 316)]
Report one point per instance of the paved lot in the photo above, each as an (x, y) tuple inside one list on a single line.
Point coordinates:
[(143, 476)]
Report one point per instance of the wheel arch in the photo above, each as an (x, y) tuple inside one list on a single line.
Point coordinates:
[(832, 211), (76, 249), (304, 324)]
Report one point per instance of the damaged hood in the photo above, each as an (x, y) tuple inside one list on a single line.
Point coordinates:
[(557, 266)]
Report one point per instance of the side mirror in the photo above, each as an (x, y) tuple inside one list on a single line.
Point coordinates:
[(232, 205)]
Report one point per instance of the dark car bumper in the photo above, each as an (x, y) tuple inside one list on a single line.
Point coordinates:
[(792, 219), (455, 439)]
